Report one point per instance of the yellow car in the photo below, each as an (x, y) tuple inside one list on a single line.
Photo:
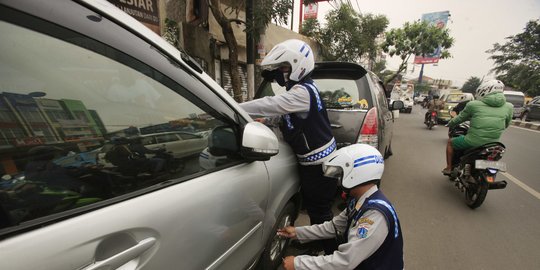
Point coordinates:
[(451, 100)]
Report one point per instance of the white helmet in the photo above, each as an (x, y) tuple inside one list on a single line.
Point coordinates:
[(295, 52), (356, 164), (493, 86)]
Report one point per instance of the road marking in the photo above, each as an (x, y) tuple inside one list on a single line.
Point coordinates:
[(522, 185), (532, 130)]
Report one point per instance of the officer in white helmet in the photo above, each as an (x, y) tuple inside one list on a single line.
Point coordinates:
[(304, 124), (369, 226)]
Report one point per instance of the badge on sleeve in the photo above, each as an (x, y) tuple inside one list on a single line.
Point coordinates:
[(362, 232)]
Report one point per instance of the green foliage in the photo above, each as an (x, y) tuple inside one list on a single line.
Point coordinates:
[(517, 62), (171, 32), (311, 28), (422, 88), (471, 84), (417, 38), (266, 11), (347, 35)]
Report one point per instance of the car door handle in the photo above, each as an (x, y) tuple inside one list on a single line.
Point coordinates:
[(123, 257), (336, 126)]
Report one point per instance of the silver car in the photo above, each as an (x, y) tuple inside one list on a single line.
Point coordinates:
[(73, 75)]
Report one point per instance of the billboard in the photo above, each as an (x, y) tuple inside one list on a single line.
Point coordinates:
[(310, 11), (440, 20), (146, 12)]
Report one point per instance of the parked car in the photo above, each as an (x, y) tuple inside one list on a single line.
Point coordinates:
[(356, 102), (451, 100), (531, 110), (517, 99), (93, 71)]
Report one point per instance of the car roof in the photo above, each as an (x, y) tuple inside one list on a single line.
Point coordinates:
[(356, 71), (510, 92)]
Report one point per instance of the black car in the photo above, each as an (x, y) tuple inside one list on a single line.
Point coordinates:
[(356, 101), (531, 110)]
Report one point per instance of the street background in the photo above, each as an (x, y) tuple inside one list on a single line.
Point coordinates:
[(440, 231)]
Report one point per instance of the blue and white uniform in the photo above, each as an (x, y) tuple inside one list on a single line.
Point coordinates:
[(305, 125), (374, 238)]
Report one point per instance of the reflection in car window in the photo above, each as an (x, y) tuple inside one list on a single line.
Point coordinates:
[(76, 127)]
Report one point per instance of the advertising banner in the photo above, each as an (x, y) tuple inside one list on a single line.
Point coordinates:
[(310, 11), (440, 20), (145, 11)]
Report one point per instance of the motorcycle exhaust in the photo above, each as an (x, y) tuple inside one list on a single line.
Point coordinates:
[(497, 185)]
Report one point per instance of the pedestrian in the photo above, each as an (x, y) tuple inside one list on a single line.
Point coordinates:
[(368, 229), (304, 124)]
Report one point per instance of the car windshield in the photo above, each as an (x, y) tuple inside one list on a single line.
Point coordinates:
[(456, 98)]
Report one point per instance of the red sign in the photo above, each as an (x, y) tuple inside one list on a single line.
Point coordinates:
[(310, 11)]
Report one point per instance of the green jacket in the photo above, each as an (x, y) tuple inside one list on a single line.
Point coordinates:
[(489, 117)]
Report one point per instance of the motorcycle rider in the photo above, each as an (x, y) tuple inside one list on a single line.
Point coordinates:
[(304, 124), (489, 116), (372, 236), (433, 106)]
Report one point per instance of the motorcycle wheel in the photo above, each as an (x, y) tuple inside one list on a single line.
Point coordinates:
[(430, 124), (476, 192)]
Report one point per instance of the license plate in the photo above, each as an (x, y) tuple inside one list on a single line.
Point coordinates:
[(488, 164)]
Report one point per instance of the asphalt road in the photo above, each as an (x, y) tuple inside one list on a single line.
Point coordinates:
[(440, 231)]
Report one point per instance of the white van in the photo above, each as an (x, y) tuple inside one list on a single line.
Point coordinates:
[(517, 99)]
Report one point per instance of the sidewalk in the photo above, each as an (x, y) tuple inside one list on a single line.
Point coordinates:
[(529, 125)]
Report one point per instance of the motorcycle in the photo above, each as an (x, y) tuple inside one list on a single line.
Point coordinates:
[(474, 170), (432, 120)]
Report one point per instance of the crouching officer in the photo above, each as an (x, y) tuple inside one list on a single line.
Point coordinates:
[(372, 237)]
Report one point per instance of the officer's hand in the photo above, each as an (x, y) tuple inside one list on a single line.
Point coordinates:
[(288, 232), (261, 120), (288, 263)]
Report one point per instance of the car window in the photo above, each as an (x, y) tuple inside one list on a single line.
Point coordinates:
[(336, 93), (381, 97), (187, 136), (71, 121), (167, 138), (516, 100), (454, 98)]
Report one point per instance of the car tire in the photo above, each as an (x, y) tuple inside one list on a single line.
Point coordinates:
[(275, 247)]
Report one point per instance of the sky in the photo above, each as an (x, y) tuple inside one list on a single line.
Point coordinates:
[(475, 26)]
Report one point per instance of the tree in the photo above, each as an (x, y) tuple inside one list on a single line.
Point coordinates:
[(417, 38), (422, 88), (348, 35), (265, 12), (471, 84), (517, 62)]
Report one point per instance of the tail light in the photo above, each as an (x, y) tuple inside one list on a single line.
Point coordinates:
[(370, 129), (433, 113)]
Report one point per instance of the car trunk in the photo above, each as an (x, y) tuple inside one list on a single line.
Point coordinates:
[(344, 90)]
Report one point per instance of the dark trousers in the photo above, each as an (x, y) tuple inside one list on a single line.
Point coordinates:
[(318, 193)]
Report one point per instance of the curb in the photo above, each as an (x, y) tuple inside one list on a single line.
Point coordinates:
[(533, 126)]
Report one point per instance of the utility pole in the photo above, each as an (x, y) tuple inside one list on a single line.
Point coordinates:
[(421, 74), (250, 50)]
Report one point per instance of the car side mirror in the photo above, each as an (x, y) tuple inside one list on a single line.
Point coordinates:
[(396, 105), (259, 142)]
